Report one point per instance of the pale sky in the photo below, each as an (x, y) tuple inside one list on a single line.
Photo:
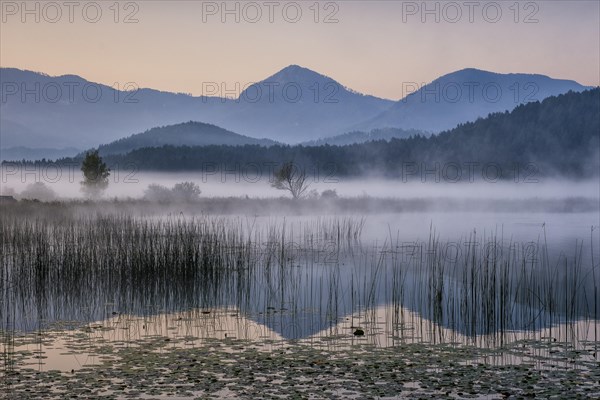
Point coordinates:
[(370, 46)]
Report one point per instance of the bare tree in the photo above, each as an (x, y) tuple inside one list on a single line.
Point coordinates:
[(291, 178)]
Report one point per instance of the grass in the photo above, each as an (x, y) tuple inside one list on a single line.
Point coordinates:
[(74, 265)]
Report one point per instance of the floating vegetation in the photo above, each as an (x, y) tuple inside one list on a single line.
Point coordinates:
[(155, 369), (115, 306)]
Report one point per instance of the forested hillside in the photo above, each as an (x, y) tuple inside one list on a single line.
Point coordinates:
[(559, 136)]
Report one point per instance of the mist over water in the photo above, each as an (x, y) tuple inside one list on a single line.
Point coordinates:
[(519, 211), (534, 223), (129, 183)]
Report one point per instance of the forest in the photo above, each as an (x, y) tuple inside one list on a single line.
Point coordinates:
[(556, 137)]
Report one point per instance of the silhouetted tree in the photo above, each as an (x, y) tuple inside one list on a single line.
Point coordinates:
[(158, 193), (291, 178), (95, 174), (181, 192), (186, 191)]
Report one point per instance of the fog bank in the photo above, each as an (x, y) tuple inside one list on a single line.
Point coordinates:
[(132, 184)]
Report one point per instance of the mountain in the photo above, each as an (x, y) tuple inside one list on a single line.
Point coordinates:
[(186, 134), (557, 137), (464, 96), (386, 134), (69, 111), (295, 104)]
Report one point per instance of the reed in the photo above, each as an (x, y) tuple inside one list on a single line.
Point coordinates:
[(483, 287)]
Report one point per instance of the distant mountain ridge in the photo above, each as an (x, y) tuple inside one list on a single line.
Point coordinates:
[(186, 134), (466, 95), (70, 111), (557, 137), (294, 105)]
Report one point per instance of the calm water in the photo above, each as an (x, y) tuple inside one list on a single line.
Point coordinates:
[(487, 279), (401, 259)]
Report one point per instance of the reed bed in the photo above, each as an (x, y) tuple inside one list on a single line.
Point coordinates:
[(303, 285), (84, 268), (487, 287)]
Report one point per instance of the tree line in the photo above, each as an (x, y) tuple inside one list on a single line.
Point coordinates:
[(559, 136)]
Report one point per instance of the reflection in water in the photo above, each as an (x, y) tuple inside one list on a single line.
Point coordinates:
[(59, 348), (124, 280), (92, 344)]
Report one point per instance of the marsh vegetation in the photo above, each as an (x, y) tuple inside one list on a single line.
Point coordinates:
[(294, 286)]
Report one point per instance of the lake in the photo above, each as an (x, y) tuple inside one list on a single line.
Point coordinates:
[(84, 283)]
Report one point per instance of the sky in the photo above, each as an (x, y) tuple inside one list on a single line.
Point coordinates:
[(373, 47)]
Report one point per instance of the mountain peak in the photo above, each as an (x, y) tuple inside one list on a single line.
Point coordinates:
[(483, 76), (295, 67), (297, 73), (469, 73)]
